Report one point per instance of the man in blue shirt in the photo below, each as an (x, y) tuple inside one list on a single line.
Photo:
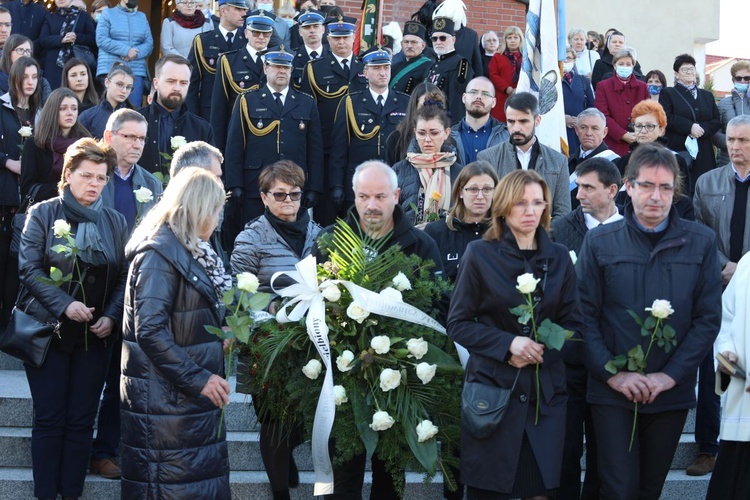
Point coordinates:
[(478, 131)]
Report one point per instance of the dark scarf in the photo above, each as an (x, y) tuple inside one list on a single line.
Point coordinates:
[(189, 22), (294, 233), (59, 147), (515, 58), (70, 17), (87, 237)]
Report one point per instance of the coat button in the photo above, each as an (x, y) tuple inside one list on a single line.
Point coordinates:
[(195, 278), (523, 398)]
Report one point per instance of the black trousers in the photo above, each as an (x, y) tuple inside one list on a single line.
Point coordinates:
[(708, 410), (8, 277), (640, 473), (107, 442), (349, 478)]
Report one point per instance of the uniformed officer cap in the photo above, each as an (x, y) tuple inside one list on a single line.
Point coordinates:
[(341, 27), (279, 57), (376, 57), (310, 17), (415, 29), (240, 4), (443, 25), (259, 22)]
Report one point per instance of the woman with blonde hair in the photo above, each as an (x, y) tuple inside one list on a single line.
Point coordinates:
[(505, 69)]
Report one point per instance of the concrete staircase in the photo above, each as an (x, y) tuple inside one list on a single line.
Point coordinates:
[(247, 478)]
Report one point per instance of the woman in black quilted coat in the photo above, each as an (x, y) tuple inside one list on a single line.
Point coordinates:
[(172, 368)]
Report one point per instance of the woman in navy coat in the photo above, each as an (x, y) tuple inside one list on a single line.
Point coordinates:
[(56, 47)]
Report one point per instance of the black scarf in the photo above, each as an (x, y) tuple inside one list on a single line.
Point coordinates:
[(294, 233), (70, 17)]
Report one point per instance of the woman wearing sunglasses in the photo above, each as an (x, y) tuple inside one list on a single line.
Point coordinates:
[(735, 104), (274, 242)]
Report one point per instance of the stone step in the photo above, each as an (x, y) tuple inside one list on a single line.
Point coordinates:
[(9, 362)]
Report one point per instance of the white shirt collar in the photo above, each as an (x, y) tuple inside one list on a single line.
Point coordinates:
[(253, 53), (282, 92), (340, 59), (524, 157), (119, 174), (225, 31), (591, 222), (319, 50), (375, 96)]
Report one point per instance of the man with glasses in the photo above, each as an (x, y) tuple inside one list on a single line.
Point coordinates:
[(207, 47), (238, 72), (624, 267), (524, 151), (125, 133), (168, 116), (413, 63), (311, 30), (452, 71), (5, 27), (478, 130), (274, 122)]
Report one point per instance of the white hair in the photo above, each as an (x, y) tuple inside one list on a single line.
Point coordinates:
[(379, 165)]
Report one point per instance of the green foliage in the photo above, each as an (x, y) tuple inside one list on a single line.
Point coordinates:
[(553, 335)]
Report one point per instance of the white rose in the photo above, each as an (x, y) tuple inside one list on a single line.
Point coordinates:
[(177, 142), (356, 312), (381, 421), (526, 283), (332, 293), (392, 293), (344, 362), (312, 369), (573, 256), (61, 229), (417, 347), (381, 344), (339, 395), (661, 309), (143, 195), (401, 282), (426, 430), (389, 379), (25, 131), (425, 372), (247, 282)]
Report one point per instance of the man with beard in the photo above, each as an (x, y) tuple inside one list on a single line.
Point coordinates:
[(478, 131), (311, 30), (524, 151), (414, 64), (452, 71), (168, 116)]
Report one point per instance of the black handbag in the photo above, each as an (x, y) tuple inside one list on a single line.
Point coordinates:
[(85, 54), (27, 338), (483, 407), (19, 218)]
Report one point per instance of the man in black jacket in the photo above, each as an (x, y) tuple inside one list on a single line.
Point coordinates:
[(168, 116), (452, 71)]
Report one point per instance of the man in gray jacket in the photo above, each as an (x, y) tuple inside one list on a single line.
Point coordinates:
[(524, 151)]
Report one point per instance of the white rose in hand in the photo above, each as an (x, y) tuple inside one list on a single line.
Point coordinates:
[(247, 282), (339, 395), (526, 283), (381, 421), (61, 229), (426, 430), (344, 362), (417, 347), (392, 293), (426, 372), (381, 344), (661, 309), (312, 369), (331, 293), (25, 131), (357, 312), (143, 195), (389, 379), (401, 282), (177, 142)]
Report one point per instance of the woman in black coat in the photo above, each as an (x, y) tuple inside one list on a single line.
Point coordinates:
[(691, 112), (172, 369), (520, 458), (64, 27), (67, 386)]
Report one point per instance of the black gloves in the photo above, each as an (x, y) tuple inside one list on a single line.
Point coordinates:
[(310, 199), (337, 197)]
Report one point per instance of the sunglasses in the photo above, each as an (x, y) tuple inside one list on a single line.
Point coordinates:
[(442, 38), (742, 78), (281, 196)]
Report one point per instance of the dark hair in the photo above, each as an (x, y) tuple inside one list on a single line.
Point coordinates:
[(606, 171), (96, 4), (119, 68), (15, 84), (87, 149), (523, 101), (3, 10), (427, 113), (658, 74), (298, 4), (653, 154), (508, 192), (473, 169), (285, 171), (424, 14), (48, 128), (90, 95), (405, 128), (682, 59), (173, 58), (12, 44)]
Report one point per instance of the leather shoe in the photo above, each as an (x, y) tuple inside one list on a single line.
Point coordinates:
[(703, 464), (106, 468)]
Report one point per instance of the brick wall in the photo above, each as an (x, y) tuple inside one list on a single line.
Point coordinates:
[(482, 15)]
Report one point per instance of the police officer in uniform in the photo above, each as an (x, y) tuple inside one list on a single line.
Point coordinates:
[(238, 72), (451, 72), (416, 64), (311, 30), (268, 124), (226, 36), (363, 122)]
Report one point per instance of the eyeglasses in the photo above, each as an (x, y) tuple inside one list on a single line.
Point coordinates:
[(742, 78), (122, 86), (260, 34), (132, 138), (22, 52), (281, 196), (536, 205), (649, 127), (474, 191), (687, 71), (483, 93), (6, 25), (88, 177), (650, 187), (441, 38), (422, 134)]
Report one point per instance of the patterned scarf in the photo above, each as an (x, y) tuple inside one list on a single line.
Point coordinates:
[(693, 89), (189, 22), (436, 185), (515, 58), (207, 257), (70, 16)]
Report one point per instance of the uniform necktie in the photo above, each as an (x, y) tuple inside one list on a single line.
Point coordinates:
[(259, 64), (230, 35), (279, 104), (313, 55), (380, 103), (345, 63)]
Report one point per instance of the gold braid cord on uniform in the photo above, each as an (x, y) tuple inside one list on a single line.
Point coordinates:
[(198, 45), (228, 78), (314, 84), (353, 124), (258, 132)]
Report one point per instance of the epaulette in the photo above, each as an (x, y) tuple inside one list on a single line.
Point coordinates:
[(463, 70)]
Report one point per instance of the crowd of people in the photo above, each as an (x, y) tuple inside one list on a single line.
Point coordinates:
[(259, 129)]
